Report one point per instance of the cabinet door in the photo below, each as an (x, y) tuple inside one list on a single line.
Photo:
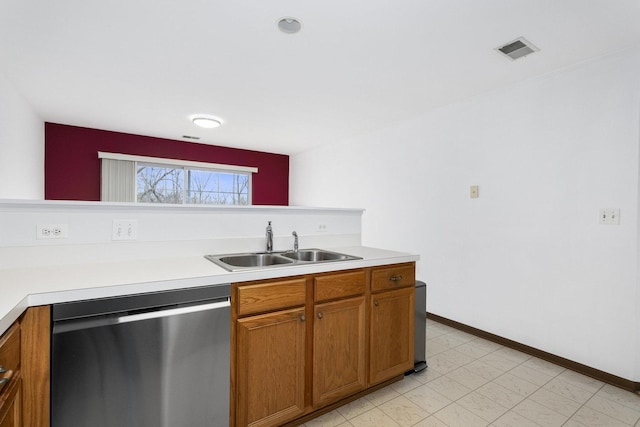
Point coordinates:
[(10, 409), (391, 334), (270, 368), (338, 350)]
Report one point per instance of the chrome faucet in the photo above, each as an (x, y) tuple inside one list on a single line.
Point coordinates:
[(269, 238), (295, 241)]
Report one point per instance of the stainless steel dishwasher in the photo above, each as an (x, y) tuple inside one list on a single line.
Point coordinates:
[(148, 360)]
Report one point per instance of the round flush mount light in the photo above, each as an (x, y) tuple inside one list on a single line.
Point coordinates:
[(289, 25), (207, 122)]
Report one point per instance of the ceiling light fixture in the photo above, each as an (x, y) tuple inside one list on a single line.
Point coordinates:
[(207, 122), (289, 25)]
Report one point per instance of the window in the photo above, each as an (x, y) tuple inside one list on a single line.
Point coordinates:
[(217, 188), (154, 180), (157, 183)]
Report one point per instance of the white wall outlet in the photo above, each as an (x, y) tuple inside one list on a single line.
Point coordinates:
[(474, 192), (125, 229), (322, 228), (52, 231), (609, 216)]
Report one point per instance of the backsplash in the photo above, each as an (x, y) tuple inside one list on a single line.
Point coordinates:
[(160, 231)]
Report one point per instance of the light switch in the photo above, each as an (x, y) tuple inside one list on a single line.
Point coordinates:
[(474, 192), (125, 229)]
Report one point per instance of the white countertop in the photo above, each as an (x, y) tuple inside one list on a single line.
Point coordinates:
[(24, 287)]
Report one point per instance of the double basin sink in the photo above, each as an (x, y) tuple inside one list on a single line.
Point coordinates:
[(256, 260)]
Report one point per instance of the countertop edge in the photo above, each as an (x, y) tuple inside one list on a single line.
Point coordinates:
[(34, 297)]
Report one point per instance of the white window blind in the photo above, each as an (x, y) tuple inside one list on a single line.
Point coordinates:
[(118, 181)]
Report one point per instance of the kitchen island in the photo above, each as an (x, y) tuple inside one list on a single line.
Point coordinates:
[(34, 286), (342, 291)]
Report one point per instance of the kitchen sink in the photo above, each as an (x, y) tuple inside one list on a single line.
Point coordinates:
[(259, 260), (254, 260), (316, 255)]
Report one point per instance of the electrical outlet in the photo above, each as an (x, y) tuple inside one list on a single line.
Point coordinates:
[(124, 229), (609, 216), (474, 192), (51, 231), (321, 228)]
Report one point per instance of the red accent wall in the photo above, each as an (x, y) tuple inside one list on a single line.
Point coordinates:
[(72, 167)]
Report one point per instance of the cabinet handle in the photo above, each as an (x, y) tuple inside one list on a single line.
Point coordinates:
[(376, 302), (395, 278), (4, 381), (303, 318), (320, 315)]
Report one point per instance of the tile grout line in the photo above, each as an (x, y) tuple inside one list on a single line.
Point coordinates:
[(456, 340), (504, 373), (582, 405)]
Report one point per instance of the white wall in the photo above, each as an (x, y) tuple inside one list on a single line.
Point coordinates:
[(21, 147), (162, 231), (528, 259)]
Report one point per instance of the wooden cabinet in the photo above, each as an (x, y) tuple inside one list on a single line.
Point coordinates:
[(10, 381), (271, 367), (391, 334), (391, 320), (35, 365), (10, 404), (25, 358), (339, 337), (310, 342), (270, 356)]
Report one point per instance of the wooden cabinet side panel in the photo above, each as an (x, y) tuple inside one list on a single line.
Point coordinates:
[(270, 368), (35, 366), (391, 334), (339, 350)]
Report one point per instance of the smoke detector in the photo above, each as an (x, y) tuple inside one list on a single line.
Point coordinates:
[(518, 48)]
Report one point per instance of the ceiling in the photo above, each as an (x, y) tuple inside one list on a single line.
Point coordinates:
[(144, 66)]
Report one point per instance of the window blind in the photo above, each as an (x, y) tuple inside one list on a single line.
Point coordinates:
[(118, 183)]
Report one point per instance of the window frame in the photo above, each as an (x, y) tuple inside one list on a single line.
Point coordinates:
[(185, 165)]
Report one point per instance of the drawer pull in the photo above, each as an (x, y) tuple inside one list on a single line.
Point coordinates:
[(320, 315), (2, 370), (4, 381), (395, 278)]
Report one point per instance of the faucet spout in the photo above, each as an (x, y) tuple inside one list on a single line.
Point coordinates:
[(295, 241), (269, 238)]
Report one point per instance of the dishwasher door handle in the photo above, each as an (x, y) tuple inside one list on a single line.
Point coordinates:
[(88, 323), (173, 311)]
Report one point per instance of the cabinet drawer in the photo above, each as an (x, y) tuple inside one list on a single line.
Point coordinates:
[(334, 286), (263, 297), (394, 276), (9, 354), (10, 348), (10, 404)]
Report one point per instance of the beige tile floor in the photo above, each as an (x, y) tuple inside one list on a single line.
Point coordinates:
[(473, 382)]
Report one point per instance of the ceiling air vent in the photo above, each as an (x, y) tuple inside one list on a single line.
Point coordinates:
[(518, 48)]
